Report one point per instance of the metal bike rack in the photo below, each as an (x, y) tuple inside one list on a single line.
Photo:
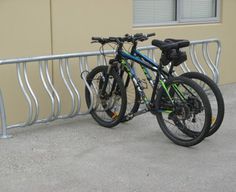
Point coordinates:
[(65, 73)]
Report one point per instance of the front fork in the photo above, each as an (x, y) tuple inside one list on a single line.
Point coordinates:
[(106, 79)]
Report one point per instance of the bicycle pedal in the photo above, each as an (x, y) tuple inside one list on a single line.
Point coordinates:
[(114, 115), (213, 120)]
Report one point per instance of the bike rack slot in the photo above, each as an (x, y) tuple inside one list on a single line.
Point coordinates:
[(43, 71)]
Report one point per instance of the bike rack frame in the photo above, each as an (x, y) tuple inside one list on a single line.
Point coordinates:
[(65, 72)]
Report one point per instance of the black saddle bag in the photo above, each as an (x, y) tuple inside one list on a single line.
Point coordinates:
[(173, 56)]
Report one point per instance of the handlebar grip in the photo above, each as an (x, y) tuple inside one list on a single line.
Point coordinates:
[(151, 34), (96, 38), (138, 35)]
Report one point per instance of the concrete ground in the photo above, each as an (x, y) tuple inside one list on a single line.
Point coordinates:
[(78, 155)]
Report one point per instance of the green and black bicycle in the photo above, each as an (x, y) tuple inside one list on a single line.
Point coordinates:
[(177, 57)]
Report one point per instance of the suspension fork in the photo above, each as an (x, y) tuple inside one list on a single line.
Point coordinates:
[(106, 76)]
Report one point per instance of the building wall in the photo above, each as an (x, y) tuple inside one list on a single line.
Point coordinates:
[(32, 27), (24, 31)]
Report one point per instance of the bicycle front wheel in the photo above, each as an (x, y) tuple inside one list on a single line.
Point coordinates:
[(109, 95), (183, 111)]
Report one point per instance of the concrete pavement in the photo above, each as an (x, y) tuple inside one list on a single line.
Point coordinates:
[(77, 155)]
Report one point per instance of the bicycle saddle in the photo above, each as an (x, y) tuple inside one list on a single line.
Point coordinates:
[(169, 44)]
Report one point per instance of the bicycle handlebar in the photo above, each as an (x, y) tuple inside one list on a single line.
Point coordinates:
[(139, 37), (127, 38), (104, 40)]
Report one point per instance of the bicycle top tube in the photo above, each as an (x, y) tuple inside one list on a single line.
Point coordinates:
[(148, 64), (145, 58), (149, 60)]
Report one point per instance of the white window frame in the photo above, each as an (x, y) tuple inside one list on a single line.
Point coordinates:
[(180, 21)]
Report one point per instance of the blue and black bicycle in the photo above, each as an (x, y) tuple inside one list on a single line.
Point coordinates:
[(180, 105)]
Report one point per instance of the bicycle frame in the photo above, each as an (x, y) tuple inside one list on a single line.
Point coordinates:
[(145, 63), (123, 57), (141, 56)]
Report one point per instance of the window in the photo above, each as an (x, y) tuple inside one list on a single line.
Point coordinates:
[(159, 12)]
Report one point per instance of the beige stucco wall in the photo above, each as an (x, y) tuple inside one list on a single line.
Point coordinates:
[(32, 27), (24, 31)]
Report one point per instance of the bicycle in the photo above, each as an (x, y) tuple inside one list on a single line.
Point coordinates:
[(212, 90), (179, 103)]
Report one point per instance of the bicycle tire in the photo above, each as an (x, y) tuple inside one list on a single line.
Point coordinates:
[(109, 122), (161, 97), (216, 121), (133, 97)]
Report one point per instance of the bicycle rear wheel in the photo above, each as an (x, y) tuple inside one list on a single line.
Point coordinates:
[(215, 97), (109, 106), (184, 111)]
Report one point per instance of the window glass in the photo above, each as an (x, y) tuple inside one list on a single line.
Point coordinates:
[(194, 9), (154, 11), (159, 12)]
